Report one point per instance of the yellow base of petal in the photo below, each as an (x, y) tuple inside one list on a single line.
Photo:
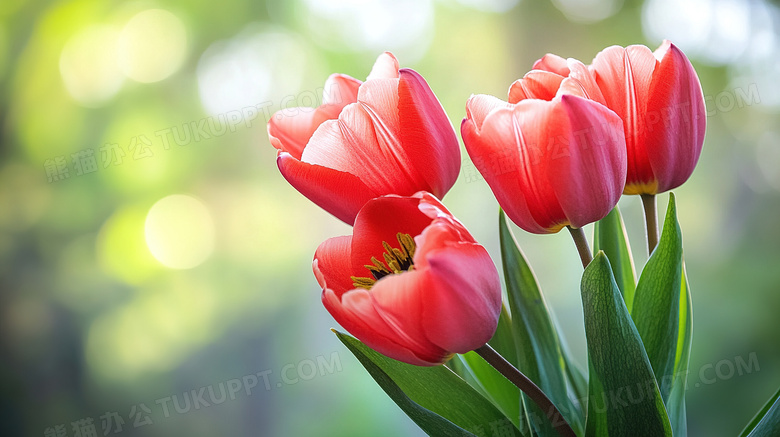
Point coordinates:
[(641, 188)]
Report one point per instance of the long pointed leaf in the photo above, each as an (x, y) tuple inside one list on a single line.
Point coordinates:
[(577, 380), (540, 355), (504, 394), (435, 398), (656, 308), (597, 405), (767, 421), (675, 405), (609, 235), (631, 403), (503, 340)]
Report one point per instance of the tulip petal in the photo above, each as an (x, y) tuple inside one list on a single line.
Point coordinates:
[(332, 266), (379, 98), (588, 175), (581, 82), (510, 154), (552, 63), (676, 119), (427, 136), (432, 207), (624, 77), (436, 211), (536, 84), (386, 66), (356, 313), (461, 306), (340, 193), (350, 145), (401, 301), (438, 234), (487, 153), (290, 129), (479, 106), (340, 90), (380, 220)]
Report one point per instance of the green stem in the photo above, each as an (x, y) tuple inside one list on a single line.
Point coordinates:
[(651, 221), (582, 245), (528, 387)]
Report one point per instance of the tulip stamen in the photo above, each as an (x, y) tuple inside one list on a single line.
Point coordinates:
[(397, 260)]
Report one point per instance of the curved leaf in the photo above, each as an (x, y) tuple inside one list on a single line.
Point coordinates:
[(609, 235), (435, 398), (487, 380), (675, 405), (625, 400), (494, 386), (656, 308), (540, 355), (503, 340), (767, 421)]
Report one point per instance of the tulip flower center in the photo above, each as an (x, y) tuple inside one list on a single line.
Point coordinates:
[(396, 261)]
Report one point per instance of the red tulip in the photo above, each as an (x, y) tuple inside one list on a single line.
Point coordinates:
[(553, 75), (659, 98), (552, 158), (387, 135), (410, 282)]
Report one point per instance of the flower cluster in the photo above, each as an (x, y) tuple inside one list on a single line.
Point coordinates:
[(632, 122), (411, 282)]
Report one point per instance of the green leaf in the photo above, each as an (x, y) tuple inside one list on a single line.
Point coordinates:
[(487, 380), (767, 422), (656, 308), (503, 340), (435, 398), (504, 394), (675, 405), (576, 379), (540, 356), (624, 398), (609, 235), (596, 423)]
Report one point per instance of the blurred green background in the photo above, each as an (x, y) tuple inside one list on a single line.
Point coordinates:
[(155, 268)]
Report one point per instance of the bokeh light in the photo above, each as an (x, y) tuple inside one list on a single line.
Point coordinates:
[(718, 31), (179, 231), (88, 65), (152, 46), (490, 5), (250, 69), (402, 26), (120, 246), (588, 11), (152, 332)]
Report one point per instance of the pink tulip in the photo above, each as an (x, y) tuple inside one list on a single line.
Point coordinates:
[(410, 282), (552, 157), (387, 135), (659, 98)]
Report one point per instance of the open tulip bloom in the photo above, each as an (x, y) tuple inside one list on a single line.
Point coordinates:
[(423, 298), (411, 282), (387, 135)]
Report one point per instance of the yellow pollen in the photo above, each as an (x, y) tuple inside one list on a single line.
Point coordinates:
[(396, 261)]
